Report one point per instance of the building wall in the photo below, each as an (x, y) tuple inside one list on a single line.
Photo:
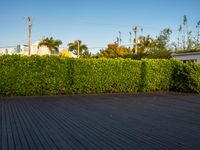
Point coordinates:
[(8, 50), (188, 57), (43, 50), (23, 49)]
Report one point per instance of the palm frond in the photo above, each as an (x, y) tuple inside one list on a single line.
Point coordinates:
[(52, 44)]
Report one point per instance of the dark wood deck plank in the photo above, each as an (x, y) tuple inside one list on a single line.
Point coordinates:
[(4, 128), (112, 122), (25, 133), (94, 132), (30, 128), (49, 127), (77, 127), (1, 121), (13, 123), (36, 128)]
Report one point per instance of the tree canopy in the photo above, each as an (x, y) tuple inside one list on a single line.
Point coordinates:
[(52, 44), (114, 50), (65, 53), (83, 49)]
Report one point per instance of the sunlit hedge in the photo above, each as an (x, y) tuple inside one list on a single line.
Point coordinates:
[(156, 74), (34, 75), (106, 76), (49, 75)]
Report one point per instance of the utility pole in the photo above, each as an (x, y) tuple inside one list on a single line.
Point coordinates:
[(135, 29), (29, 36), (78, 48)]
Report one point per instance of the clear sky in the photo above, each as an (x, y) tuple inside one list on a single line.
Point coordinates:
[(95, 22)]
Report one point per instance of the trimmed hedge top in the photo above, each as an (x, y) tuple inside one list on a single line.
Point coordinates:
[(49, 75)]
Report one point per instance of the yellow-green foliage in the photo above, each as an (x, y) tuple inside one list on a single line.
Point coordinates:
[(35, 75), (65, 53), (47, 75), (106, 75), (156, 74)]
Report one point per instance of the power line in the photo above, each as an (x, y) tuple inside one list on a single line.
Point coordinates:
[(86, 23), (78, 22)]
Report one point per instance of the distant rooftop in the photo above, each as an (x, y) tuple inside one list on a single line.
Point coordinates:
[(186, 53)]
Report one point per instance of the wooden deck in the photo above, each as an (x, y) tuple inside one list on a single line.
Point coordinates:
[(101, 122)]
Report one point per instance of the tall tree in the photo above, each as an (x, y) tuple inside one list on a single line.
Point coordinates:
[(52, 44), (198, 30), (163, 39), (197, 39), (185, 30), (180, 30), (159, 47), (191, 42), (130, 38), (77, 45), (113, 51), (145, 44)]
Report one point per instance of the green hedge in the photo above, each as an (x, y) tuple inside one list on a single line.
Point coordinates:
[(49, 75), (156, 74), (186, 77), (33, 75), (106, 76)]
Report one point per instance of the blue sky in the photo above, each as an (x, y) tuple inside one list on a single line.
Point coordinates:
[(95, 22)]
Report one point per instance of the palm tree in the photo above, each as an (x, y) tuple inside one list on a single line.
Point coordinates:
[(144, 44), (198, 30), (185, 30), (180, 30), (52, 44), (78, 48)]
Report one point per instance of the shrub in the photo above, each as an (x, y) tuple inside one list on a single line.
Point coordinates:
[(156, 74), (186, 77), (47, 75), (106, 75), (35, 75)]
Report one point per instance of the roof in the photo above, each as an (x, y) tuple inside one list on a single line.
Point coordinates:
[(185, 54)]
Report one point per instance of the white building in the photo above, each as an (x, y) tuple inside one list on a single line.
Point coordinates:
[(8, 50), (188, 57), (35, 50), (23, 49), (42, 50)]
